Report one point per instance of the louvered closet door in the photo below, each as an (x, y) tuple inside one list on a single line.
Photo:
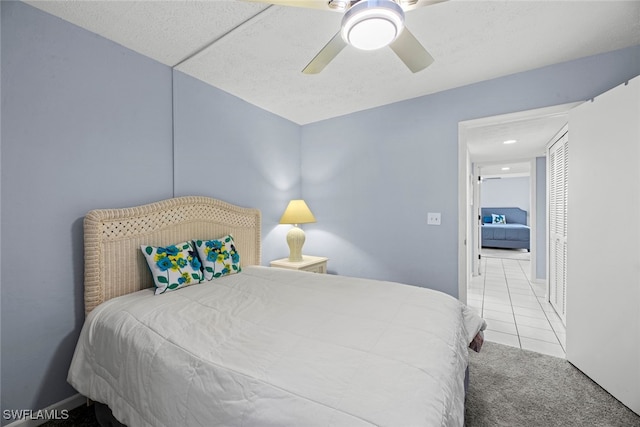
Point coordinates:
[(558, 156)]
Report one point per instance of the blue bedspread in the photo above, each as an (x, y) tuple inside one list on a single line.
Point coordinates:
[(517, 232), (514, 234)]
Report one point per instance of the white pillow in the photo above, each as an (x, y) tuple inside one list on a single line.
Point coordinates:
[(498, 219)]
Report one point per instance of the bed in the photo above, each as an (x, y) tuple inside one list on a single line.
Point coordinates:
[(262, 346), (510, 231)]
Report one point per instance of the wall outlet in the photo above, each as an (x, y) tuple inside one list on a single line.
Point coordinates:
[(433, 218)]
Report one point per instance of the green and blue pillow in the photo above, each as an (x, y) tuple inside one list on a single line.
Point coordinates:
[(219, 257), (498, 219), (174, 266)]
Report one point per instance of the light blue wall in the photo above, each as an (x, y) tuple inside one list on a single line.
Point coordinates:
[(506, 192), (231, 150), (88, 124), (374, 175)]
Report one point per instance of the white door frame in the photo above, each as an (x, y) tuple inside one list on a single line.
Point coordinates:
[(532, 206), (475, 220), (465, 191)]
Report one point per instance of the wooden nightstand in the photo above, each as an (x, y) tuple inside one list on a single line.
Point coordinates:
[(314, 264)]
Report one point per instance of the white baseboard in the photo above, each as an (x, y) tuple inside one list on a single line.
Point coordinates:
[(64, 405)]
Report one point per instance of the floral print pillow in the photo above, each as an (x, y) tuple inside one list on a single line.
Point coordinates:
[(173, 267), (219, 257), (498, 219)]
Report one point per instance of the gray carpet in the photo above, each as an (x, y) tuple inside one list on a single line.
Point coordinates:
[(514, 387)]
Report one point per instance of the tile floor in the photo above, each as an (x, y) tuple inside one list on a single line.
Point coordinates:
[(515, 308)]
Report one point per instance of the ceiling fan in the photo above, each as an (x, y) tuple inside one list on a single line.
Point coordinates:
[(368, 25)]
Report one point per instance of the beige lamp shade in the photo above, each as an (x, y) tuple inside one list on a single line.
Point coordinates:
[(297, 212)]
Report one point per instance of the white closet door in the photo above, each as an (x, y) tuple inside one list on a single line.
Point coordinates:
[(558, 155), (603, 263)]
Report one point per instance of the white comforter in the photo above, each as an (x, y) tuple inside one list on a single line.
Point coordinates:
[(272, 347)]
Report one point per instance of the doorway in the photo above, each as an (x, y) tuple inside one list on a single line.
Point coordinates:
[(602, 261), (511, 293), (507, 189)]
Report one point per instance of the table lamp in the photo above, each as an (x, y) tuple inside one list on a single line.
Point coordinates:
[(297, 212)]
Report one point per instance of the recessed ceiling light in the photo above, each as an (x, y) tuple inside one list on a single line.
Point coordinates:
[(510, 141), (506, 168)]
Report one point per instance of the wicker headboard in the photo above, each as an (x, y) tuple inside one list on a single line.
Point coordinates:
[(113, 262)]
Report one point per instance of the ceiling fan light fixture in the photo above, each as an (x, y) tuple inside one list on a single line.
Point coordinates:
[(338, 4), (372, 24)]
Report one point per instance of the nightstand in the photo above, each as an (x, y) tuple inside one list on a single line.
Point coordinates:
[(313, 264)]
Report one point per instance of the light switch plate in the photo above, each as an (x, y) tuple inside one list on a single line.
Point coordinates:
[(433, 218)]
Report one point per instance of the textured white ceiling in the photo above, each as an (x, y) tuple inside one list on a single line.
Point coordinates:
[(256, 51), (532, 130)]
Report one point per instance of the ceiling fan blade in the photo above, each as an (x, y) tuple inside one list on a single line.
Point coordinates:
[(310, 4), (411, 52), (326, 55), (408, 5)]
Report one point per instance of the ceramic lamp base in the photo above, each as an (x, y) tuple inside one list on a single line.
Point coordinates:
[(295, 240)]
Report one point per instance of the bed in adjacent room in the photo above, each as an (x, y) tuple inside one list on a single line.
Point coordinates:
[(255, 346), (505, 228)]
